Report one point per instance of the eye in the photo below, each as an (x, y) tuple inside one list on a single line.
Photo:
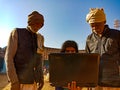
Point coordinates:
[(68, 51)]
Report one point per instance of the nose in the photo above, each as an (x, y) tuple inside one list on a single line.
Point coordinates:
[(70, 52), (94, 27)]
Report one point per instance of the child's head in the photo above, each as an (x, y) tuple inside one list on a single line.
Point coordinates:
[(69, 46)]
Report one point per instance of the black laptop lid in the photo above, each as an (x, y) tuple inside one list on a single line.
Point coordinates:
[(80, 67)]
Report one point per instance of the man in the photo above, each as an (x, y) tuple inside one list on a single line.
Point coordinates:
[(24, 55), (106, 42)]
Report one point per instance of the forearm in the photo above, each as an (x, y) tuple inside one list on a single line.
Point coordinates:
[(9, 56)]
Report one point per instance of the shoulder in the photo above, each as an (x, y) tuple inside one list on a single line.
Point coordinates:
[(14, 31), (90, 36), (115, 32), (18, 29), (111, 30), (39, 35)]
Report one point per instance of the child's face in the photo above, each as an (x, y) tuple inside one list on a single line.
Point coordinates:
[(70, 50)]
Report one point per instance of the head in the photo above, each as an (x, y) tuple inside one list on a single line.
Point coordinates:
[(69, 46), (97, 19), (35, 21)]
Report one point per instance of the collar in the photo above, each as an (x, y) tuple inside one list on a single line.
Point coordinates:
[(28, 28)]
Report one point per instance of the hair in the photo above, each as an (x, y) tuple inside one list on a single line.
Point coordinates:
[(69, 43)]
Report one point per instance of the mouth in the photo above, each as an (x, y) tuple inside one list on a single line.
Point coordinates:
[(97, 31)]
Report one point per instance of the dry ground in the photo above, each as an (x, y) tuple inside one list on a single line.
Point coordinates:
[(4, 85)]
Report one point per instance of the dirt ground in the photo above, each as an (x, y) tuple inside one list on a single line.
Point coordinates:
[(3, 81), (4, 85)]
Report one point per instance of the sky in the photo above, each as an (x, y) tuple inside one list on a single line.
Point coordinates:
[(64, 19)]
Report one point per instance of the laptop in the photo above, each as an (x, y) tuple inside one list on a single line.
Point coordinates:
[(80, 67)]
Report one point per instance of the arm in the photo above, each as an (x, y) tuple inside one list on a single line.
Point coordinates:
[(39, 64), (40, 42), (119, 52), (39, 71), (9, 57), (86, 47)]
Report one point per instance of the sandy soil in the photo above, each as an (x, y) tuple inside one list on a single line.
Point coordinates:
[(4, 85)]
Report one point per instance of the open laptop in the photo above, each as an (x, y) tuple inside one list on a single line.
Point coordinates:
[(80, 67)]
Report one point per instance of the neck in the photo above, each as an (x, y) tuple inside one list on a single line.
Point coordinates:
[(31, 29)]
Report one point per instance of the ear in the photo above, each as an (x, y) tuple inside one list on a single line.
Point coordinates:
[(104, 22), (102, 9)]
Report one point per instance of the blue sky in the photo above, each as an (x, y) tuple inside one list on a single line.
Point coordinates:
[(64, 19)]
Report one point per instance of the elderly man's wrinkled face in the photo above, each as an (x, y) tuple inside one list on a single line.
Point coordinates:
[(98, 28), (36, 26)]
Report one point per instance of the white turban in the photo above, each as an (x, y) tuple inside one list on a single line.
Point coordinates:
[(96, 15)]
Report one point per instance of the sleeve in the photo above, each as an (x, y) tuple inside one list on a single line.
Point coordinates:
[(119, 50), (39, 60), (40, 43), (39, 68), (86, 47), (119, 47), (9, 57)]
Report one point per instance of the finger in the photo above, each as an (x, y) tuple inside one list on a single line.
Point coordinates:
[(74, 85), (78, 88), (69, 86)]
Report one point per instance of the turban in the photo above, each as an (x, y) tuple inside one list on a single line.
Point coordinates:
[(35, 17), (96, 15)]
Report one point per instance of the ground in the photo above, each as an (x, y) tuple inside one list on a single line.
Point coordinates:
[(4, 85)]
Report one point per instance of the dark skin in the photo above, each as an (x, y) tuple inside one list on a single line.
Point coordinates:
[(72, 86), (98, 28)]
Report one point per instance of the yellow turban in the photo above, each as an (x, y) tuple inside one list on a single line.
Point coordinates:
[(96, 15), (35, 17)]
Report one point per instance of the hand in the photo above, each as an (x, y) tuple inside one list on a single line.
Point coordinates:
[(15, 86), (72, 86), (40, 85)]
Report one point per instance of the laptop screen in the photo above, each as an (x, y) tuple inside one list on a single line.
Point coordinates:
[(80, 67)]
